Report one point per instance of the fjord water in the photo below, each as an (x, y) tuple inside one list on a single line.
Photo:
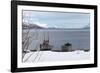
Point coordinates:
[(79, 38)]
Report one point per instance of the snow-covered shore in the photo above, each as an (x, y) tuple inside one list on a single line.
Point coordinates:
[(45, 56)]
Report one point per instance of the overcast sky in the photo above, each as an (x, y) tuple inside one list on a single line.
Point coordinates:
[(57, 19)]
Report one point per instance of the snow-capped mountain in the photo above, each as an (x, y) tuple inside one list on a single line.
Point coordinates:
[(33, 26)]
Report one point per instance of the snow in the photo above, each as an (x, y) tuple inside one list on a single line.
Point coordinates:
[(47, 56), (41, 24)]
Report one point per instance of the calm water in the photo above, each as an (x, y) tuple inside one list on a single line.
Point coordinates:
[(80, 39)]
